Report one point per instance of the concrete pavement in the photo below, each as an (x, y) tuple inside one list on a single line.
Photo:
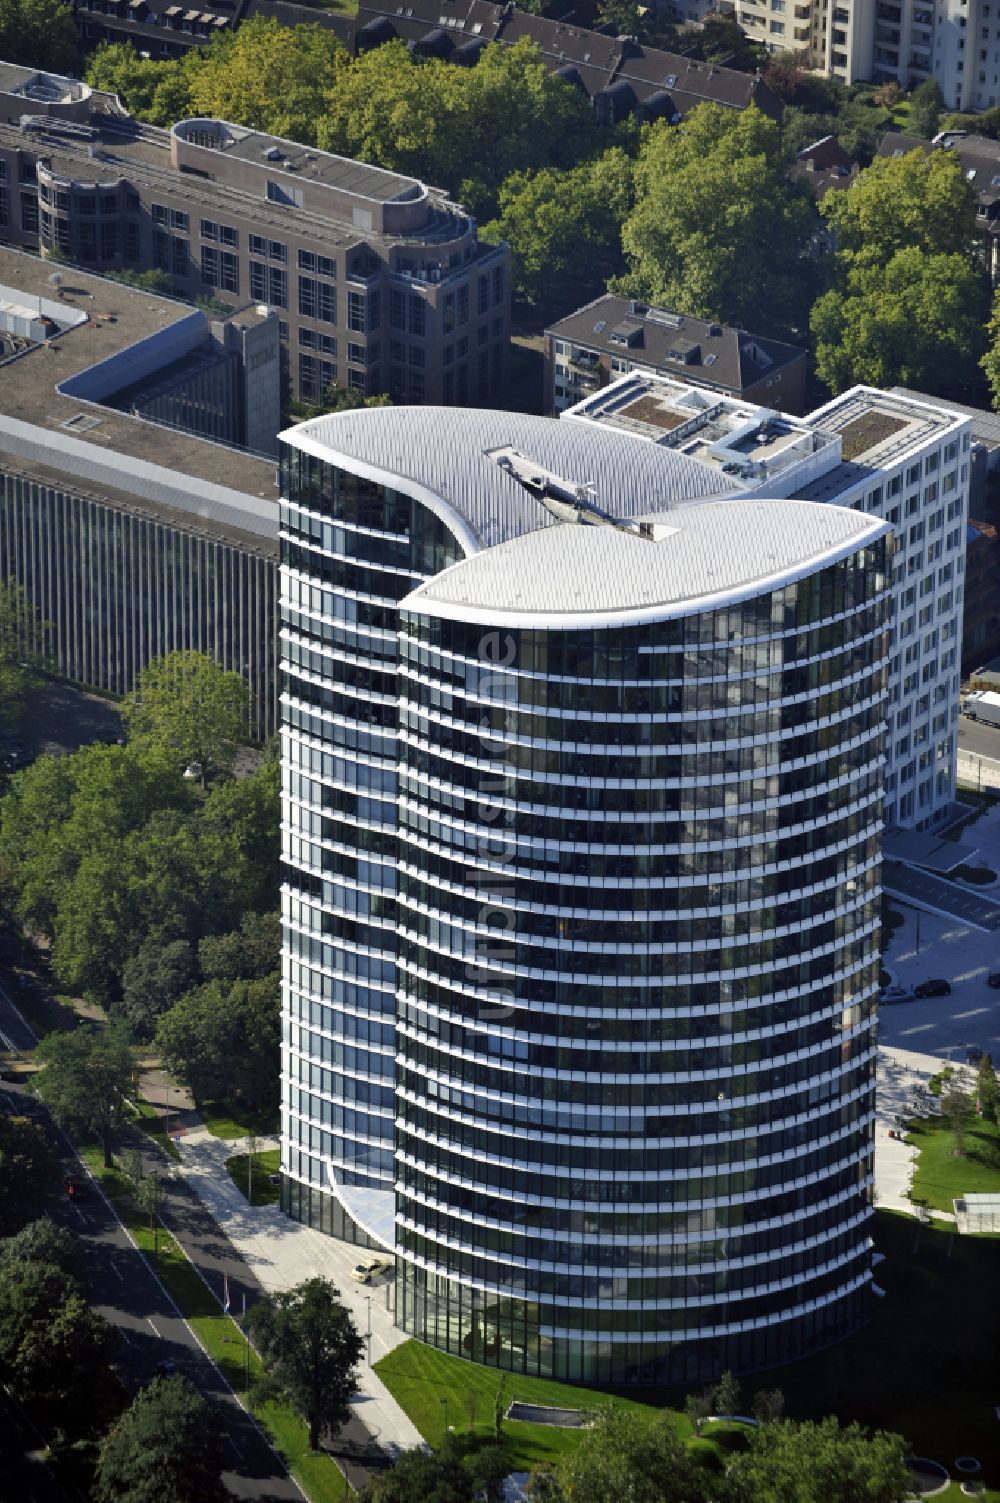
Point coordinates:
[(280, 1253)]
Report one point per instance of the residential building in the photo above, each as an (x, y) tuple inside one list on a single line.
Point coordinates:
[(823, 166), (619, 75), (614, 335), (601, 1147), (981, 626), (379, 283), (903, 459), (130, 538)]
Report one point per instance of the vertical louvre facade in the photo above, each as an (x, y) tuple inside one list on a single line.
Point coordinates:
[(121, 587), (638, 919)]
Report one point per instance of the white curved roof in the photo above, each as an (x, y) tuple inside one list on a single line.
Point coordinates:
[(707, 555), (437, 455)]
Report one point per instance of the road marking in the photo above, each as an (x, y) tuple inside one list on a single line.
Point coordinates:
[(240, 1453), (124, 1335), (117, 1270), (155, 1331), (5, 1041)]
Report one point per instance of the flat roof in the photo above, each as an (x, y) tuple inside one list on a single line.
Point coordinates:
[(700, 556), (276, 152), (102, 443), (439, 455), (880, 428)]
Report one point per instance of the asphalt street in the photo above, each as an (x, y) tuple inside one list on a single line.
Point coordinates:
[(977, 739), (121, 1285)]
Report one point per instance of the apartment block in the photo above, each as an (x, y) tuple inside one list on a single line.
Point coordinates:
[(131, 537), (378, 282), (582, 802), (902, 459), (614, 335)]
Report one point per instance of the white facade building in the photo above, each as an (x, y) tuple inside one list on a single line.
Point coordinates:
[(905, 461)]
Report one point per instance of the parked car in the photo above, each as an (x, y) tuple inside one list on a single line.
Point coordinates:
[(993, 979), (166, 1368), (76, 1189), (973, 1056), (896, 994), (935, 988), (370, 1268), (10, 1075)]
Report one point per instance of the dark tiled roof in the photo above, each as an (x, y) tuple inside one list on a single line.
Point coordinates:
[(601, 62), (824, 165), (716, 355)]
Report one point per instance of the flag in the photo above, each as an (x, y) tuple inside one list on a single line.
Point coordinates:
[(225, 1292)]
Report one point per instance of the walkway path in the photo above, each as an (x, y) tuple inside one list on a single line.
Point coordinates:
[(281, 1252)]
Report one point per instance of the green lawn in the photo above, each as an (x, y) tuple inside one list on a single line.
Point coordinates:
[(420, 1377), (228, 1120), (222, 1338), (924, 1366), (941, 1177), (269, 1162)]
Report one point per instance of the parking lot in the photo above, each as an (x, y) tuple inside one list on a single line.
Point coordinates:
[(926, 946)]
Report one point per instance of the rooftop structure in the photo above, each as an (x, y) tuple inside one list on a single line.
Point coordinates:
[(379, 282), (905, 458), (614, 335), (744, 441)]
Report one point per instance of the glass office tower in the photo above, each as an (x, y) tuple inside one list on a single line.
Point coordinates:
[(598, 935)]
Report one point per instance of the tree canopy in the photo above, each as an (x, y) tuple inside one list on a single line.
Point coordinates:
[(27, 1166), (820, 1463), (906, 302), (717, 230), (39, 34), (168, 1445), (85, 1081), (187, 707), (22, 637), (309, 1347), (564, 226)]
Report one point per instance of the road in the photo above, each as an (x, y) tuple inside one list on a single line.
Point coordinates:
[(977, 739), (123, 1288)]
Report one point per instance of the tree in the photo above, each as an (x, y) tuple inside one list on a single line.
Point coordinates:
[(269, 76), (621, 1456), (85, 1081), (168, 1445), (717, 231), (27, 1169), (149, 1197), (152, 981), (42, 1241), (156, 92), (956, 1106), (914, 202), (309, 1347), (820, 1463), (926, 103), (54, 1351), (917, 322), (768, 1405), (343, 399), (39, 34), (185, 705), (987, 1093), (248, 953), (727, 1395), (991, 360), (565, 227), (198, 1039), (22, 643)]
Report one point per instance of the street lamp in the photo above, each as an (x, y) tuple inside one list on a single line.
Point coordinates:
[(445, 1403), (368, 1337)]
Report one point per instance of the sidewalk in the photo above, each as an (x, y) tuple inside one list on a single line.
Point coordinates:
[(281, 1253)]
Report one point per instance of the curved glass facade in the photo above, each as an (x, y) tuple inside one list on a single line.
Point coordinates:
[(351, 550), (637, 961)]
